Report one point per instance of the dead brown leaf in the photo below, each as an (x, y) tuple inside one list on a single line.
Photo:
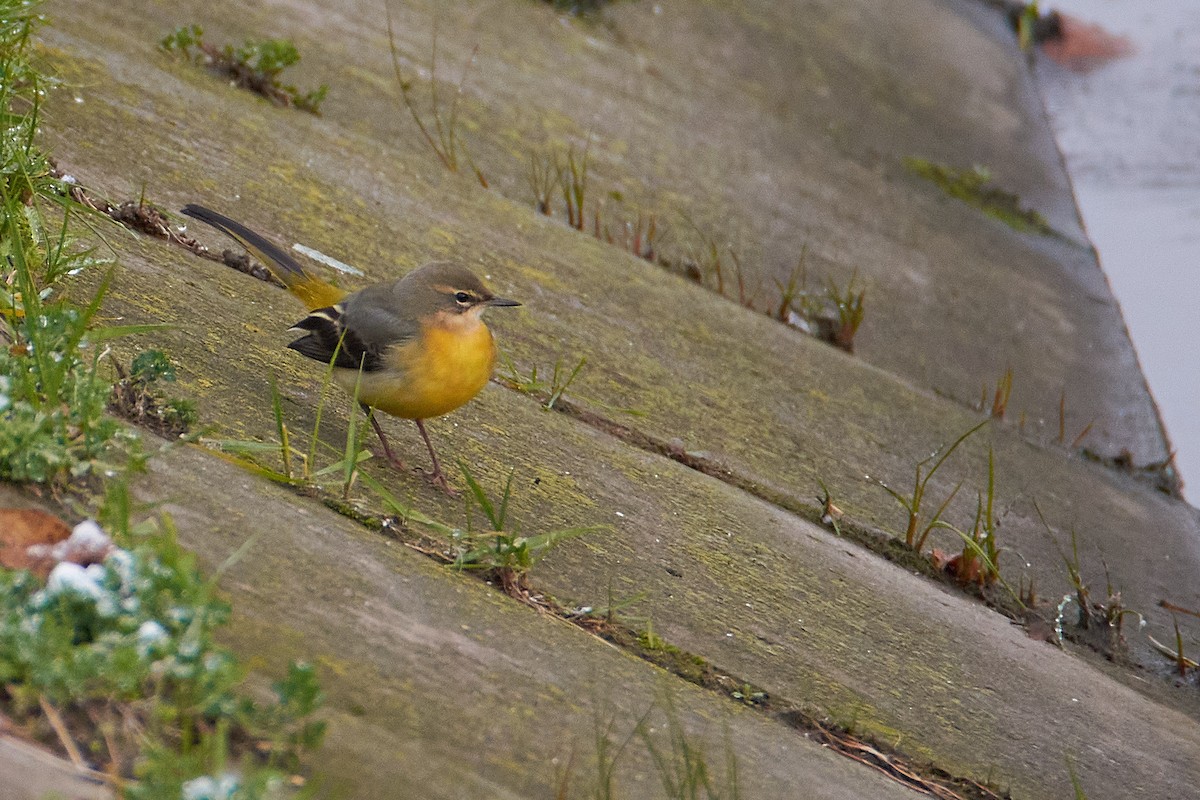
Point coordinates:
[(22, 527)]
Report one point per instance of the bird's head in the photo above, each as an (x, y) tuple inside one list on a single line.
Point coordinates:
[(451, 293)]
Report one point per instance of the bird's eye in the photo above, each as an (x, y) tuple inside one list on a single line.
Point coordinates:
[(462, 297)]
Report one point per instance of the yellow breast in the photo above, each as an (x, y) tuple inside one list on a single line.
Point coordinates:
[(428, 376)]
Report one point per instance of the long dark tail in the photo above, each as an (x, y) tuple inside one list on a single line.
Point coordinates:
[(315, 292)]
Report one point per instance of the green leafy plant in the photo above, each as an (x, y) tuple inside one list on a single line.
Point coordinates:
[(598, 618), (53, 397), (308, 474), (649, 640), (52, 393), (113, 660), (256, 65), (533, 383), (560, 381), (749, 695), (118, 663), (138, 395), (979, 561)]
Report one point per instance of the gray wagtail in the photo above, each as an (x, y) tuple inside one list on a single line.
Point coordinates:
[(415, 348)]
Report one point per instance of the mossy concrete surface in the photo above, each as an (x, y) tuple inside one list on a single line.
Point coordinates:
[(30, 773), (768, 126), (741, 582), (437, 685)]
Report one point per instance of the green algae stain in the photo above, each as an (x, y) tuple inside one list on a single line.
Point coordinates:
[(971, 186)]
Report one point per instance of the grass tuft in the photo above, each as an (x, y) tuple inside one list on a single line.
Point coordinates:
[(1099, 623), (52, 392), (535, 384), (443, 139), (1000, 397), (918, 527), (505, 556), (572, 176)]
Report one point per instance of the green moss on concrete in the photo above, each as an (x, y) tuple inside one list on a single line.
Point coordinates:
[(826, 621), (971, 186)]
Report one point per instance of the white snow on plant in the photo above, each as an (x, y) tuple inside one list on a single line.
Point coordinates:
[(150, 634), (206, 787), (87, 544), (69, 578)]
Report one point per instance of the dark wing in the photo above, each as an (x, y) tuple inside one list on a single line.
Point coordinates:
[(328, 339)]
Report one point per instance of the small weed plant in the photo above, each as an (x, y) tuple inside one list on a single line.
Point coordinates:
[(978, 563), (544, 178), (117, 663), (299, 467), (139, 395), (111, 657), (503, 553), (918, 525), (974, 187), (848, 306), (256, 65), (1183, 665), (443, 139), (572, 178), (682, 765), (535, 384), (1099, 623), (1000, 397)]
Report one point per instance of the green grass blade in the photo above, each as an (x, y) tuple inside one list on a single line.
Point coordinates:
[(949, 451), (502, 514), (407, 512), (281, 429), (485, 502), (933, 521)]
